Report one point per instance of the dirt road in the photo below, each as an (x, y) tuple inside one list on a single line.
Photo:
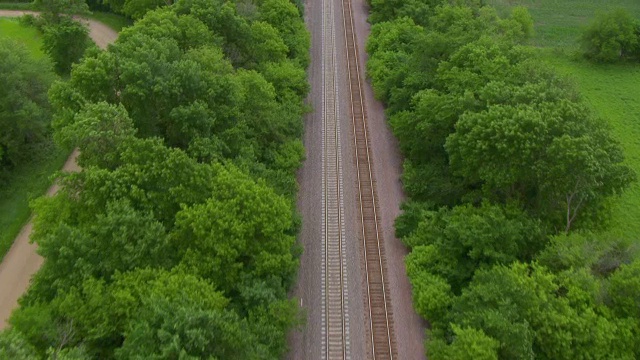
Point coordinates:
[(22, 261)]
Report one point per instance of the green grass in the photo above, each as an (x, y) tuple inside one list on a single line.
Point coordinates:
[(27, 181), (559, 23), (612, 91), (29, 37)]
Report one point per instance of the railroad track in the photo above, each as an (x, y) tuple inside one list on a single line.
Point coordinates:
[(383, 345), (335, 319)]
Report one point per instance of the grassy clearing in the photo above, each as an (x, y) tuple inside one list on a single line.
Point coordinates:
[(29, 37), (614, 94), (559, 23), (27, 181), (612, 91)]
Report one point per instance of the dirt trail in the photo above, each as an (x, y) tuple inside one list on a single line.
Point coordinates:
[(22, 261)]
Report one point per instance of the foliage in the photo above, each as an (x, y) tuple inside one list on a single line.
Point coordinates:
[(56, 11), (611, 37), (14, 346), (177, 240), (503, 164), (65, 41), (24, 109)]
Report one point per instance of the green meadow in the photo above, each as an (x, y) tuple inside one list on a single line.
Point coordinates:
[(613, 91), (29, 37)]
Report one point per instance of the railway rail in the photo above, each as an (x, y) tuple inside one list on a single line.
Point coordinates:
[(335, 320), (383, 345)]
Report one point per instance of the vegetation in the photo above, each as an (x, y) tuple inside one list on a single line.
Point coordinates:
[(177, 240), (609, 89), (509, 172), (612, 37), (25, 114), (65, 42)]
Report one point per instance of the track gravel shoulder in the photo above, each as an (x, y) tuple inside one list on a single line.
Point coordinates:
[(409, 328), (22, 261)]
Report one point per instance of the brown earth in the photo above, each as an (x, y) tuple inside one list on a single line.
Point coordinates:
[(22, 261)]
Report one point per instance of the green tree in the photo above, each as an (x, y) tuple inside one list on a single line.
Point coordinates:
[(240, 231), (56, 11), (461, 240), (468, 343), (65, 41), (101, 131), (611, 37), (13, 345), (25, 113)]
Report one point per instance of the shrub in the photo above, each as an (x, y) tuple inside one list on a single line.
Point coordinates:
[(611, 37)]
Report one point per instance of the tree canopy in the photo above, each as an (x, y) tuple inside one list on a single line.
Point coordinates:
[(508, 173), (178, 237)]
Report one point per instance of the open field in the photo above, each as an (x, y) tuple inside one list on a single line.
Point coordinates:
[(611, 90), (29, 37), (559, 23)]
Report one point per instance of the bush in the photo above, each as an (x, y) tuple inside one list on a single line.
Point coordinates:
[(613, 36)]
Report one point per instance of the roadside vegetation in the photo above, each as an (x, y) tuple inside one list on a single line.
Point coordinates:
[(27, 154), (29, 176), (513, 179), (178, 238)]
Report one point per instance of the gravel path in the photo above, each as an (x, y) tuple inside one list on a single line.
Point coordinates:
[(22, 261)]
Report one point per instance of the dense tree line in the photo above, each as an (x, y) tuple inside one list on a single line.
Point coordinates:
[(177, 240), (509, 175)]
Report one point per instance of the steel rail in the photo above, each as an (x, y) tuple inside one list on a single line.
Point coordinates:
[(335, 300), (379, 350)]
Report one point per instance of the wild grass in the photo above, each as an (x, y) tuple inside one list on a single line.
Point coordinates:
[(29, 37), (612, 91), (559, 23)]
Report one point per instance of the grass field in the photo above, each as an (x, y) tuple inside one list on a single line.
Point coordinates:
[(29, 37), (613, 91), (31, 179), (559, 23)]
